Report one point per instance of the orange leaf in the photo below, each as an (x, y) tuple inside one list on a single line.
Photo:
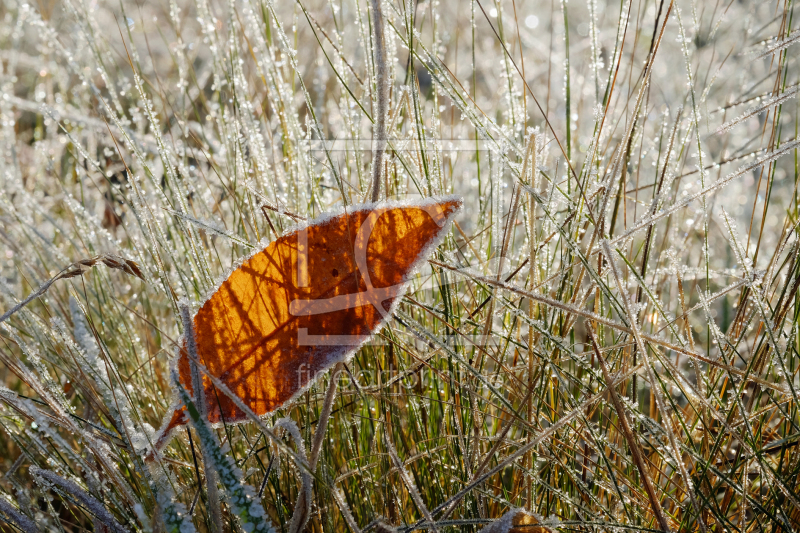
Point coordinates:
[(516, 521), (306, 302)]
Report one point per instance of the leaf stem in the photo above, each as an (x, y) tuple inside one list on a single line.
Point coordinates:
[(214, 509)]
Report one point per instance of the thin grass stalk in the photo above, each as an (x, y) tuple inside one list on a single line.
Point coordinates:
[(550, 302), (491, 453), (409, 483), (382, 88), (633, 444), (302, 508), (487, 328), (532, 310), (79, 268), (345, 510), (66, 486), (549, 432), (660, 405)]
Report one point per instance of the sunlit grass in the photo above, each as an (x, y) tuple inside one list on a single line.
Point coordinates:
[(629, 171)]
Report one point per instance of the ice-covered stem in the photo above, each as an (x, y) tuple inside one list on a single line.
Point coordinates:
[(601, 319), (409, 483), (302, 508), (177, 519), (327, 407), (769, 103), (383, 527), (633, 444), (382, 87), (534, 275), (624, 145), (654, 386), (48, 479), (338, 497), (299, 460), (17, 518), (243, 500), (214, 509), (191, 347), (79, 268), (499, 442), (509, 229), (648, 220)]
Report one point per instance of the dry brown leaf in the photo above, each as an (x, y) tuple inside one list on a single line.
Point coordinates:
[(516, 521), (305, 303)]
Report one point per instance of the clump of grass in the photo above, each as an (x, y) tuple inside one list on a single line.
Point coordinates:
[(608, 338)]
